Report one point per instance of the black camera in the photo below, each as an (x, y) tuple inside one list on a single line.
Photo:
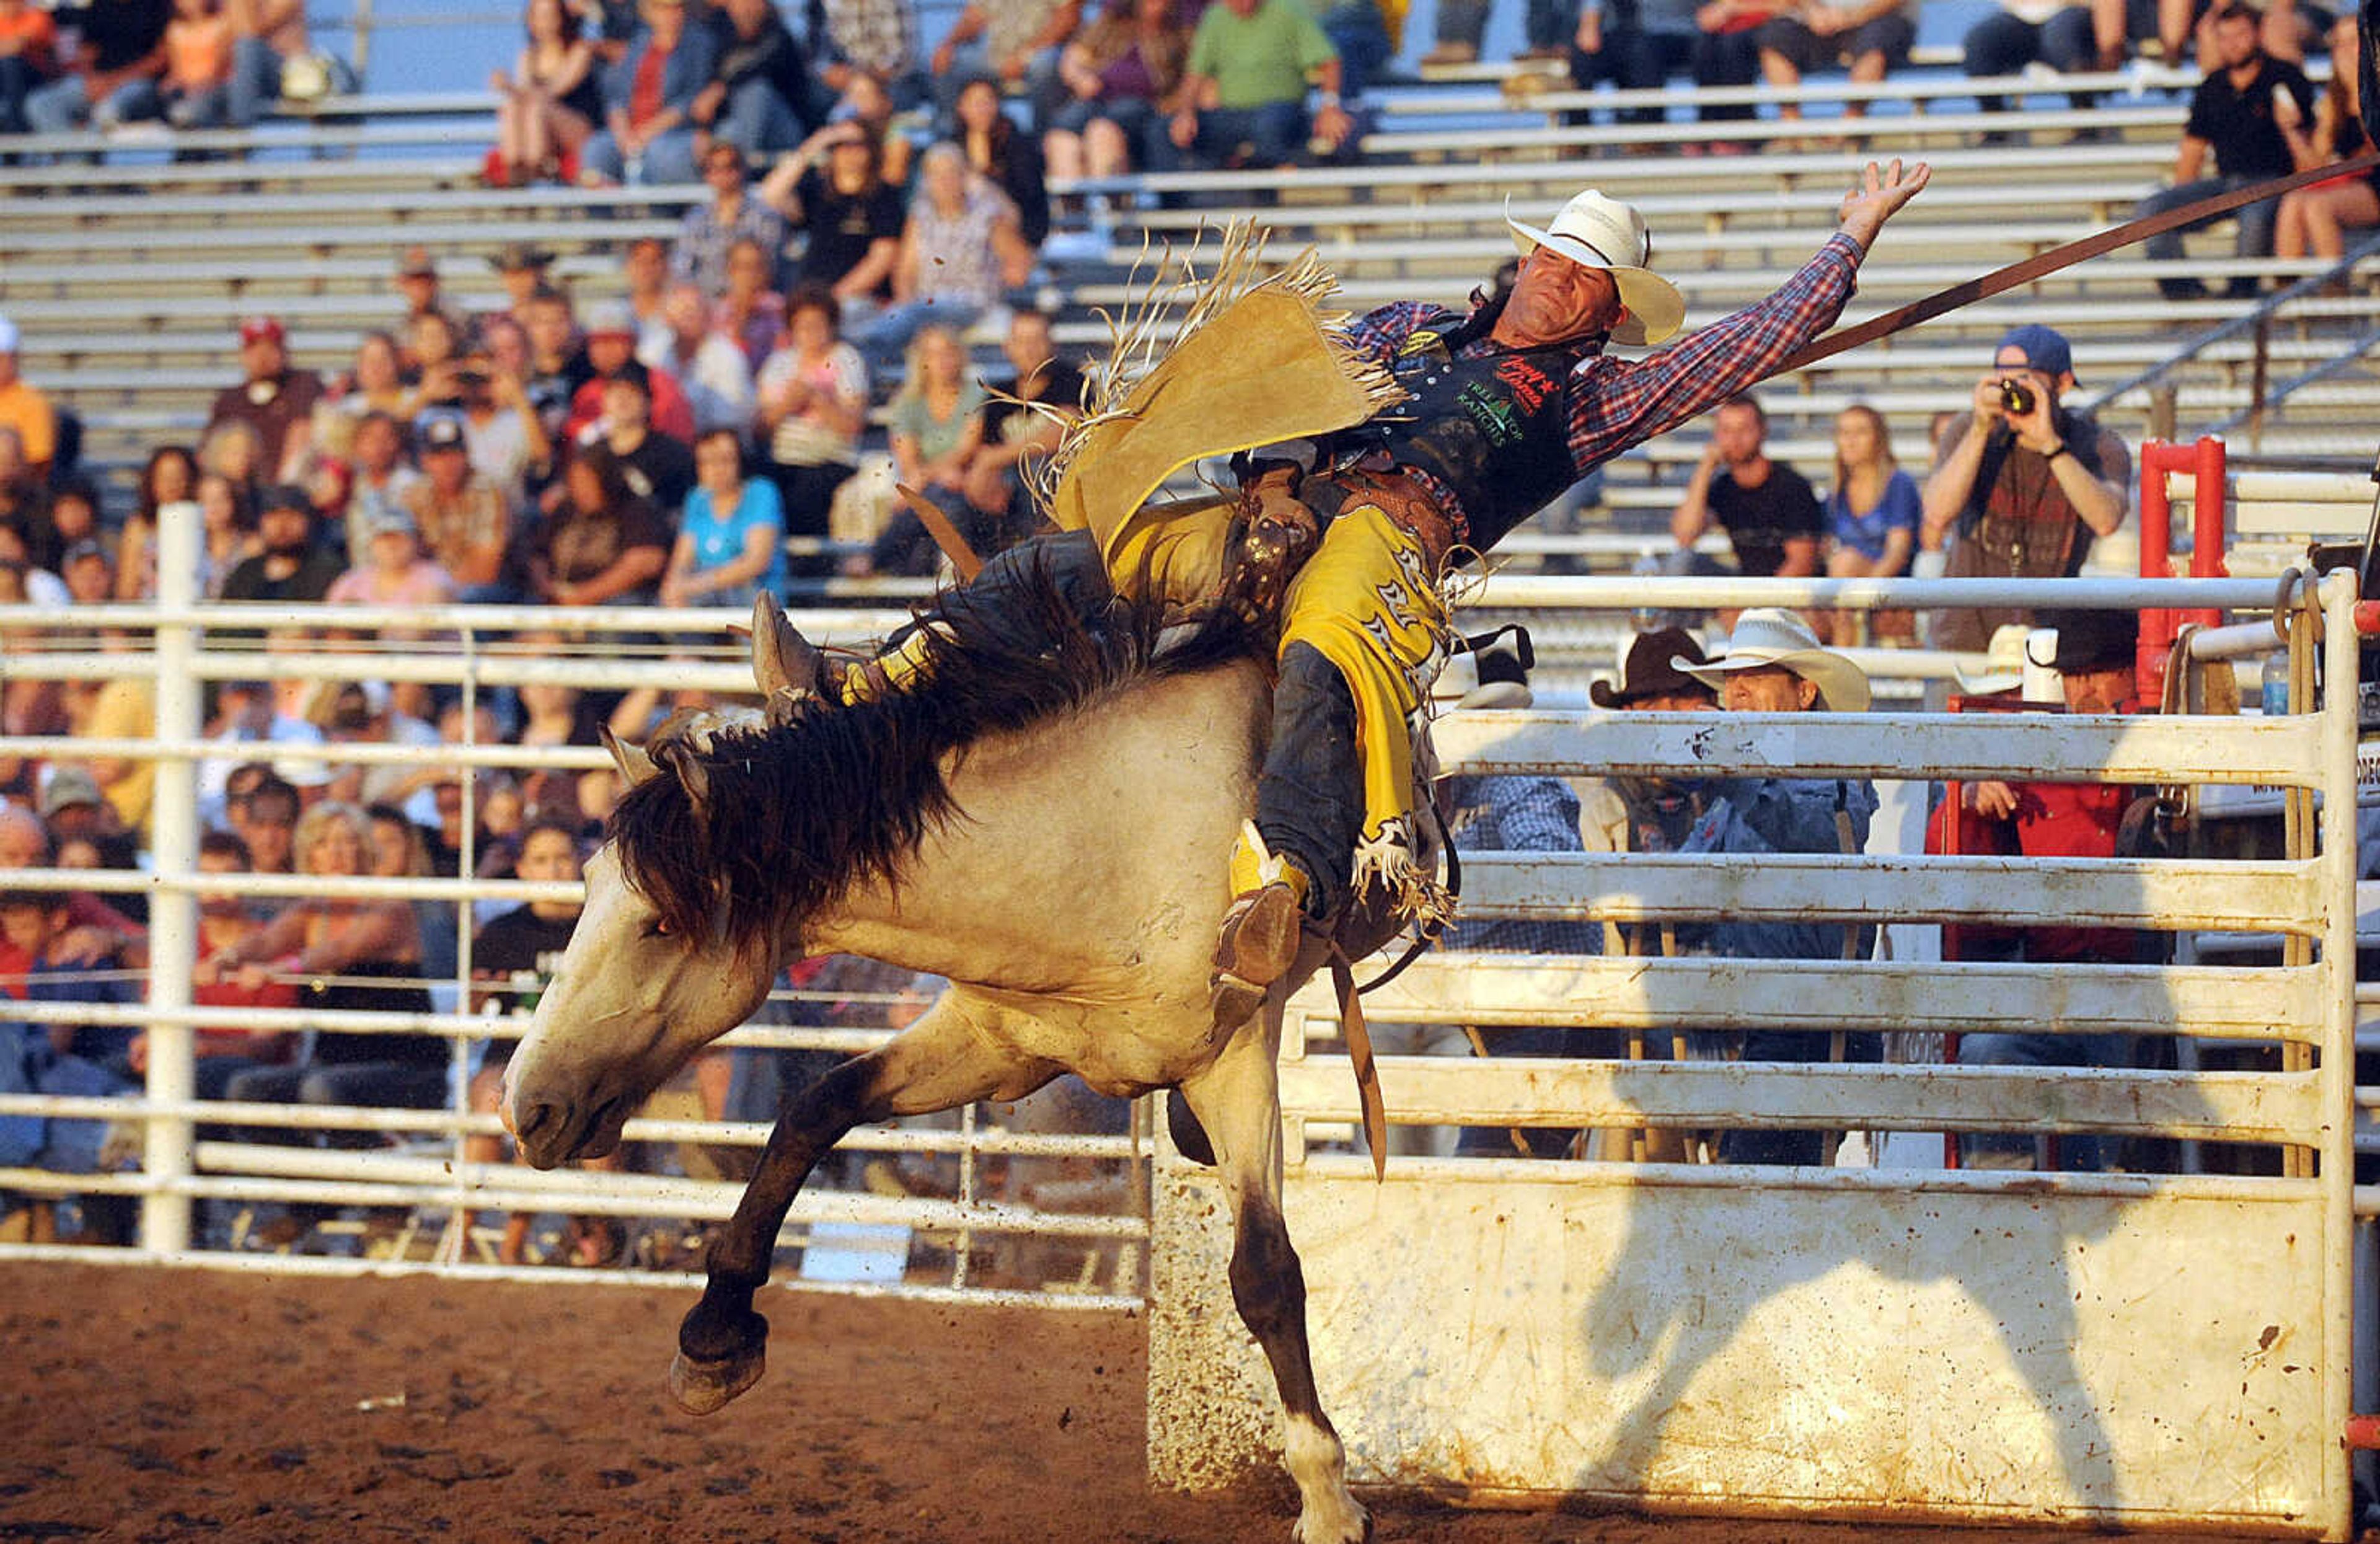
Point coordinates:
[(2016, 396)]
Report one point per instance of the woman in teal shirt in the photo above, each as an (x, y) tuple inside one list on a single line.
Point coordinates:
[(731, 544)]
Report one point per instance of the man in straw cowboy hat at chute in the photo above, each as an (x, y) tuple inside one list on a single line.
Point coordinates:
[(1774, 663), (1506, 405)]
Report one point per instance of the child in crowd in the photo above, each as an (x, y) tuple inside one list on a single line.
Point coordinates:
[(196, 89), (512, 960), (223, 919), (393, 572), (84, 1061)]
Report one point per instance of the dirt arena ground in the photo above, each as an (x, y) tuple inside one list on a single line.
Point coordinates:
[(153, 1404)]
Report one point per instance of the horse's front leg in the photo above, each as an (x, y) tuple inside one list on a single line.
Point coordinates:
[(937, 1062), (1238, 1101)]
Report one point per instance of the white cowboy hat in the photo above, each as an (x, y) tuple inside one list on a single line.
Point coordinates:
[(1768, 636), (1458, 685), (2004, 661), (1599, 232), (2020, 660)]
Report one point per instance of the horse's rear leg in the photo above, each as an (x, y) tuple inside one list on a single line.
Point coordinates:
[(1238, 1102), (937, 1062)]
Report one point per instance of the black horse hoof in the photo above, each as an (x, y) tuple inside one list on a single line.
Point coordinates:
[(701, 1387), (722, 1351)]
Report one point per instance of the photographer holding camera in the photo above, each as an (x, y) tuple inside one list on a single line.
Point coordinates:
[(2027, 486)]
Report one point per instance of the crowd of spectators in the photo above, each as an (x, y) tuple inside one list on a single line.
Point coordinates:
[(2019, 486), (655, 447), (687, 431)]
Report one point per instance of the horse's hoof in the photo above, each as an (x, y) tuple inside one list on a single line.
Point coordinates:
[(1339, 1525), (700, 1387)]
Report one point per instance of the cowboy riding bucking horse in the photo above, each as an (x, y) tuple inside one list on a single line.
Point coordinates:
[(1369, 455)]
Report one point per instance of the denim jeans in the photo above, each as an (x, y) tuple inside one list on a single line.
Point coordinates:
[(2255, 236), (2077, 1151), (16, 79), (1462, 21), (1274, 133), (1310, 793), (1631, 59), (882, 340), (756, 120), (205, 108), (60, 107), (2003, 43), (668, 159), (1725, 59), (1806, 1148), (1355, 29)]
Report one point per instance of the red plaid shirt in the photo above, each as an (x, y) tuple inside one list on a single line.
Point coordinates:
[(1617, 405)]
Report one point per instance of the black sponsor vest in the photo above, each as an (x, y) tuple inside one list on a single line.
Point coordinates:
[(1494, 428)]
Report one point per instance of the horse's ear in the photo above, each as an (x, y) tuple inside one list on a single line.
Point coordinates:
[(634, 764), (781, 659), (691, 773)]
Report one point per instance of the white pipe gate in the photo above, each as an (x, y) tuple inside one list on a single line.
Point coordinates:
[(423, 1170), (2122, 1349)]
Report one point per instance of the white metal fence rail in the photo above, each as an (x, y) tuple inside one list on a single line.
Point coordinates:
[(1097, 1229)]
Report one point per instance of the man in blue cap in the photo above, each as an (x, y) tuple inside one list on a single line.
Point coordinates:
[(2027, 486)]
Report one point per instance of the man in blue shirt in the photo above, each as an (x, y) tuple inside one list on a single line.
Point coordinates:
[(1774, 663)]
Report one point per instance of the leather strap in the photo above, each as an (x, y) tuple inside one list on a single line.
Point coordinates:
[(2048, 263), (946, 536), (1359, 1053)]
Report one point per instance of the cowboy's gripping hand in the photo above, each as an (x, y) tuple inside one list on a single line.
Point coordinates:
[(1879, 196)]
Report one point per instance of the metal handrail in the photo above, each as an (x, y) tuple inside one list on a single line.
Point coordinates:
[(2254, 321)]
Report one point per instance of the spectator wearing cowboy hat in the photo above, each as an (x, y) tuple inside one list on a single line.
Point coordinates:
[(292, 567), (1774, 663), (276, 400), (417, 281), (521, 267), (2093, 656), (1646, 814)]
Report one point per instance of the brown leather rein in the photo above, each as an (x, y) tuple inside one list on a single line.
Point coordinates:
[(2044, 263)]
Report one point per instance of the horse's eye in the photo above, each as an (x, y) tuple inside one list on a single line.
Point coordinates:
[(658, 928)]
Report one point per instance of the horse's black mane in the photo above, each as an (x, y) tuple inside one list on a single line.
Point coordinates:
[(798, 813)]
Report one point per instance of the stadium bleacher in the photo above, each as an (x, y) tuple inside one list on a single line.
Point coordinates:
[(126, 274)]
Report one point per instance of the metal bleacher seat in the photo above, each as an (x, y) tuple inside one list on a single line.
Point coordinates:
[(126, 273)]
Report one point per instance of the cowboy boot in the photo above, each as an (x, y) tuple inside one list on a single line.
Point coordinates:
[(1261, 932)]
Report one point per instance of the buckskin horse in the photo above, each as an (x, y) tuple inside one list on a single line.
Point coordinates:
[(1043, 823)]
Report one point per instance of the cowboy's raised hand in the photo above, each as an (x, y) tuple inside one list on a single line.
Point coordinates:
[(1880, 194)]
